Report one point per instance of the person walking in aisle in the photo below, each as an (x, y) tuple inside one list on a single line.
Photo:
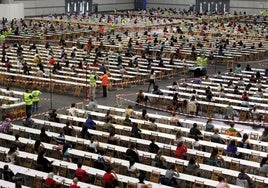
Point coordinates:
[(151, 79), (93, 84), (27, 97), (104, 83), (35, 98)]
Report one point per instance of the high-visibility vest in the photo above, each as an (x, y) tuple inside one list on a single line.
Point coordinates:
[(35, 95), (42, 37), (27, 99), (104, 80), (200, 20), (10, 31), (123, 22), (199, 61), (92, 80), (204, 62), (112, 26)]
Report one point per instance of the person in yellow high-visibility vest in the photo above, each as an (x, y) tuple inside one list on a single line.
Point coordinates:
[(92, 84), (27, 98), (123, 22), (35, 98), (201, 62), (42, 36), (112, 27), (200, 20), (10, 31), (261, 13), (2, 38)]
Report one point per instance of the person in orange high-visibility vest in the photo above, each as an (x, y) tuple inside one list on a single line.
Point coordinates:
[(104, 83), (101, 30)]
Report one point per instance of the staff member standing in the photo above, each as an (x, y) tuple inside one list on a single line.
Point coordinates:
[(35, 98), (104, 83), (27, 97), (92, 83)]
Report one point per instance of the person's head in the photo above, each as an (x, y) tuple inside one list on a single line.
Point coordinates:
[(194, 125), (144, 111), (79, 165), (108, 169), (214, 152), (17, 136), (129, 106), (75, 180), (131, 162), (12, 149), (42, 153), (179, 144), (178, 134), (160, 152), (263, 161), (89, 116), (172, 167), (216, 130), (153, 139), (221, 179), (43, 130), (192, 160), (5, 167), (50, 175), (112, 133), (232, 125), (72, 105), (232, 142), (243, 170), (142, 177), (209, 120), (245, 136)]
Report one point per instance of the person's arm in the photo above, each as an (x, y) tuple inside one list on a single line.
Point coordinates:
[(114, 174)]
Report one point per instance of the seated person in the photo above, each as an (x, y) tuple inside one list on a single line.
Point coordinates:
[(43, 163), (180, 151), (243, 176), (232, 131), (43, 136), (68, 129), (153, 147), (195, 132), (53, 116), (132, 153), (5, 126), (90, 123), (142, 98), (80, 173), (216, 137), (92, 106), (49, 181), (72, 111), (8, 175)]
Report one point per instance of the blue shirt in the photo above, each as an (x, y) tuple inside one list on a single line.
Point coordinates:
[(90, 124)]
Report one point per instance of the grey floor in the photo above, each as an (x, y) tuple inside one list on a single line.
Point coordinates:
[(61, 102)]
